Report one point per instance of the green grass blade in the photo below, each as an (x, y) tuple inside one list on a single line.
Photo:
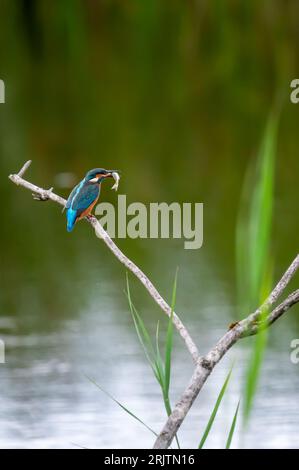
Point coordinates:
[(162, 371), (255, 220), (254, 372), (122, 406), (165, 370), (257, 355), (232, 428), (142, 333), (254, 367), (215, 410), (254, 273), (144, 338), (169, 337), (261, 212), (259, 253), (158, 360)]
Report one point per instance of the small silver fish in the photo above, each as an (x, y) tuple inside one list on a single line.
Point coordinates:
[(116, 178)]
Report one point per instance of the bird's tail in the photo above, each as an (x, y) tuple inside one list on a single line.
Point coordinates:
[(71, 216)]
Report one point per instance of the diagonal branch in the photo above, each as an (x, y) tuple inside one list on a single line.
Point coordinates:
[(291, 300), (44, 195), (276, 292), (206, 364)]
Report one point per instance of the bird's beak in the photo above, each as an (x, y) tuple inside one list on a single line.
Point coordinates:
[(105, 175), (110, 173)]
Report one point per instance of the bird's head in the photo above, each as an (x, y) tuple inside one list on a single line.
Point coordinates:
[(97, 175)]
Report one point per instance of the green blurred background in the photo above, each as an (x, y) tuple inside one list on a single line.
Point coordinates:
[(175, 94)]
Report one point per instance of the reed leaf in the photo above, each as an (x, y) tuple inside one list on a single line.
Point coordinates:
[(122, 406), (232, 428), (215, 410), (253, 242), (161, 370), (169, 337)]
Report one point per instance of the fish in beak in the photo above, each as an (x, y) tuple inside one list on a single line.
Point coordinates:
[(116, 177)]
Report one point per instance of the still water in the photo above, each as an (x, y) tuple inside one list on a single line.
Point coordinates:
[(48, 401)]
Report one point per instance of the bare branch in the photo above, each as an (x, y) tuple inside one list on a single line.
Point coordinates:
[(206, 364), (291, 300), (282, 284), (24, 168), (276, 292), (44, 195)]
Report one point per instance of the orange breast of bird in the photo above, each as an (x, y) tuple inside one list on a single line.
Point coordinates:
[(88, 210)]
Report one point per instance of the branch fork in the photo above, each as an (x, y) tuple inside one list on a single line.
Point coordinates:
[(204, 365)]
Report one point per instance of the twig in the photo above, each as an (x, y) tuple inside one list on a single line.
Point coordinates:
[(44, 195), (24, 168), (206, 364), (276, 292), (291, 300)]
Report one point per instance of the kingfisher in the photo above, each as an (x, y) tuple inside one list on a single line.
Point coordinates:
[(84, 196)]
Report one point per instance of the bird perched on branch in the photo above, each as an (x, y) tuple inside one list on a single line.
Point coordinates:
[(84, 196)]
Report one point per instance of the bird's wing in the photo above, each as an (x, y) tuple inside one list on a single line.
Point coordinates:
[(85, 197), (71, 196)]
